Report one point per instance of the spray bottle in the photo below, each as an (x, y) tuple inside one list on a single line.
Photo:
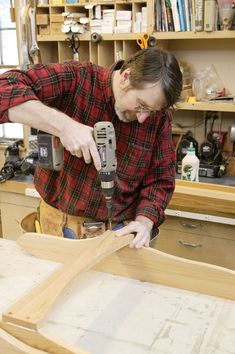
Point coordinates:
[(190, 165)]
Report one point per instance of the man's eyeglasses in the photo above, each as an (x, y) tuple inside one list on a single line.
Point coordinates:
[(144, 109)]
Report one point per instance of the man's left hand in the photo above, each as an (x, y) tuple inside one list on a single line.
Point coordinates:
[(142, 226)]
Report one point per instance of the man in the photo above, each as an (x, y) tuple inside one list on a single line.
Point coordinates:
[(66, 100)]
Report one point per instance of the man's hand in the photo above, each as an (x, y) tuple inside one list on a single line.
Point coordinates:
[(78, 139), (142, 226)]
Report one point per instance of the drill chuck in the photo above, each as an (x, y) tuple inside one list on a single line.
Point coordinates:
[(107, 183)]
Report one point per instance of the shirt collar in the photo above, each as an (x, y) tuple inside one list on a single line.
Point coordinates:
[(107, 81)]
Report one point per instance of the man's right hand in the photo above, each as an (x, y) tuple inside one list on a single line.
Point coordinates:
[(78, 139)]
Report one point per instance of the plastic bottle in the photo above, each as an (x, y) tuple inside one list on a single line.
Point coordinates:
[(190, 165)]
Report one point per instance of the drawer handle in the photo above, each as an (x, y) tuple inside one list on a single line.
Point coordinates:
[(189, 244), (190, 226)]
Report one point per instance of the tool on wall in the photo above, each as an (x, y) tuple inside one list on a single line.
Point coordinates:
[(152, 41), (142, 41), (74, 44), (96, 37), (28, 50)]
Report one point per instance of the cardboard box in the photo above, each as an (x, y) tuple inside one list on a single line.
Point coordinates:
[(57, 18), (44, 29), (56, 28), (42, 19)]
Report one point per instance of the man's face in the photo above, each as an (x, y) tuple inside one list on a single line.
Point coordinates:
[(132, 104)]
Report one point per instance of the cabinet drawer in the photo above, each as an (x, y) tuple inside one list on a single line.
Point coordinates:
[(196, 247), (199, 227)]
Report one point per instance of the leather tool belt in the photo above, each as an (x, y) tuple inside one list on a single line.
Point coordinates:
[(52, 221)]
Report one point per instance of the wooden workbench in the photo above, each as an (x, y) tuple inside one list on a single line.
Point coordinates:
[(208, 198), (203, 198), (107, 314)]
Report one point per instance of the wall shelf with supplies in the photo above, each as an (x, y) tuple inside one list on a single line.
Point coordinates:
[(207, 106), (194, 35), (119, 43), (198, 49)]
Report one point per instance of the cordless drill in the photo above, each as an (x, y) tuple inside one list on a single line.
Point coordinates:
[(105, 139), (51, 155)]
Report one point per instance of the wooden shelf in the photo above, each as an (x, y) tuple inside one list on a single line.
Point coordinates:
[(133, 36), (195, 35), (206, 106), (87, 37)]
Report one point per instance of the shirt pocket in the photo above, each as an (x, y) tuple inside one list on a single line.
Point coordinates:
[(133, 162)]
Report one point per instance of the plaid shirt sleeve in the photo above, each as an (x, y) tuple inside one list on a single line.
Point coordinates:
[(158, 185), (44, 82), (14, 89)]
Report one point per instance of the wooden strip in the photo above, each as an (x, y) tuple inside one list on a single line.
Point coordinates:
[(151, 265), (32, 309), (11, 345), (205, 201), (209, 193), (203, 186), (57, 249), (41, 340)]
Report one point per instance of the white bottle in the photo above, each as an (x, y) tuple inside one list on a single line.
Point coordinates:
[(190, 165)]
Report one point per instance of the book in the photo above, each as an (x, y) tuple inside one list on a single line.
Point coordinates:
[(181, 10), (169, 16), (175, 15), (198, 19), (209, 15), (164, 17), (186, 8)]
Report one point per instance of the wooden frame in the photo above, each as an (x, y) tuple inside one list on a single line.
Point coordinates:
[(22, 325)]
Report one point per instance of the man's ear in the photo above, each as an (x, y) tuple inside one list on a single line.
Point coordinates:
[(125, 78)]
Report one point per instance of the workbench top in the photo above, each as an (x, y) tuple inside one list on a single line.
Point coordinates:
[(197, 197), (107, 314), (17, 184)]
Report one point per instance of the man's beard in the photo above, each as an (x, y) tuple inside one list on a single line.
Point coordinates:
[(120, 115), (125, 116)]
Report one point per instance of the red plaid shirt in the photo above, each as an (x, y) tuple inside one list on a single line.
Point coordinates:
[(145, 152)]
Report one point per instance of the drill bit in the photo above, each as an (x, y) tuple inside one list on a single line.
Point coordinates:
[(109, 205)]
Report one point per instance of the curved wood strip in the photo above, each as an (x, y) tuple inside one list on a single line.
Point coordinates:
[(38, 339), (57, 249), (154, 266), (32, 309), (148, 265), (11, 345)]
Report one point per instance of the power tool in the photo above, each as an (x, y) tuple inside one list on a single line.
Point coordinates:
[(105, 139), (51, 155)]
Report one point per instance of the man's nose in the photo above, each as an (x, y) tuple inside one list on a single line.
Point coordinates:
[(142, 116)]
